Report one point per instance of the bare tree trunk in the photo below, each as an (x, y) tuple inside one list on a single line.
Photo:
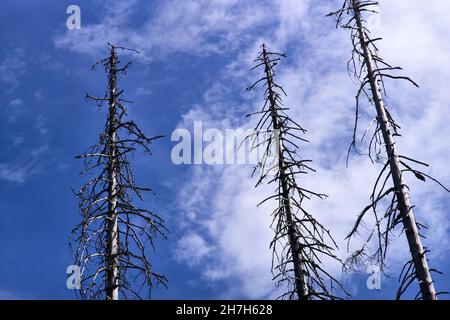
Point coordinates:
[(300, 283), (409, 223), (111, 242), (300, 241), (112, 274)]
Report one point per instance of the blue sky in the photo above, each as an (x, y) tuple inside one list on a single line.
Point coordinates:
[(194, 67)]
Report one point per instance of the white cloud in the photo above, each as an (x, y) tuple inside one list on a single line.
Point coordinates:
[(38, 95), (15, 109), (16, 102), (41, 125), (27, 161), (226, 236), (143, 91), (192, 249), (234, 235), (12, 68), (321, 96), (16, 173), (18, 140), (195, 26)]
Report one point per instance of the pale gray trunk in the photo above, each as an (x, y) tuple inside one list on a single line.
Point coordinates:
[(112, 275), (300, 283), (301, 286), (415, 246)]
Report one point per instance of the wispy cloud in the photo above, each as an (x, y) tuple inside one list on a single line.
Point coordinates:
[(233, 232), (12, 68), (15, 109), (24, 148), (195, 27), (22, 167), (17, 173), (225, 235)]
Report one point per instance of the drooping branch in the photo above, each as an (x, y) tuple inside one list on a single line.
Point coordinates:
[(111, 242), (300, 241)]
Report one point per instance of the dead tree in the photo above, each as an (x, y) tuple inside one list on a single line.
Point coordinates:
[(371, 70), (300, 241), (110, 244)]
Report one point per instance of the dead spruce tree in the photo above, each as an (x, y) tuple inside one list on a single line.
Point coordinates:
[(300, 241), (371, 70), (110, 244)]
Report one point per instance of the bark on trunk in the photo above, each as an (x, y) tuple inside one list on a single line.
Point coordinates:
[(112, 276), (300, 283), (301, 286), (415, 246)]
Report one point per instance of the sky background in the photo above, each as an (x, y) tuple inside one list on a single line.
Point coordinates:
[(194, 66)]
